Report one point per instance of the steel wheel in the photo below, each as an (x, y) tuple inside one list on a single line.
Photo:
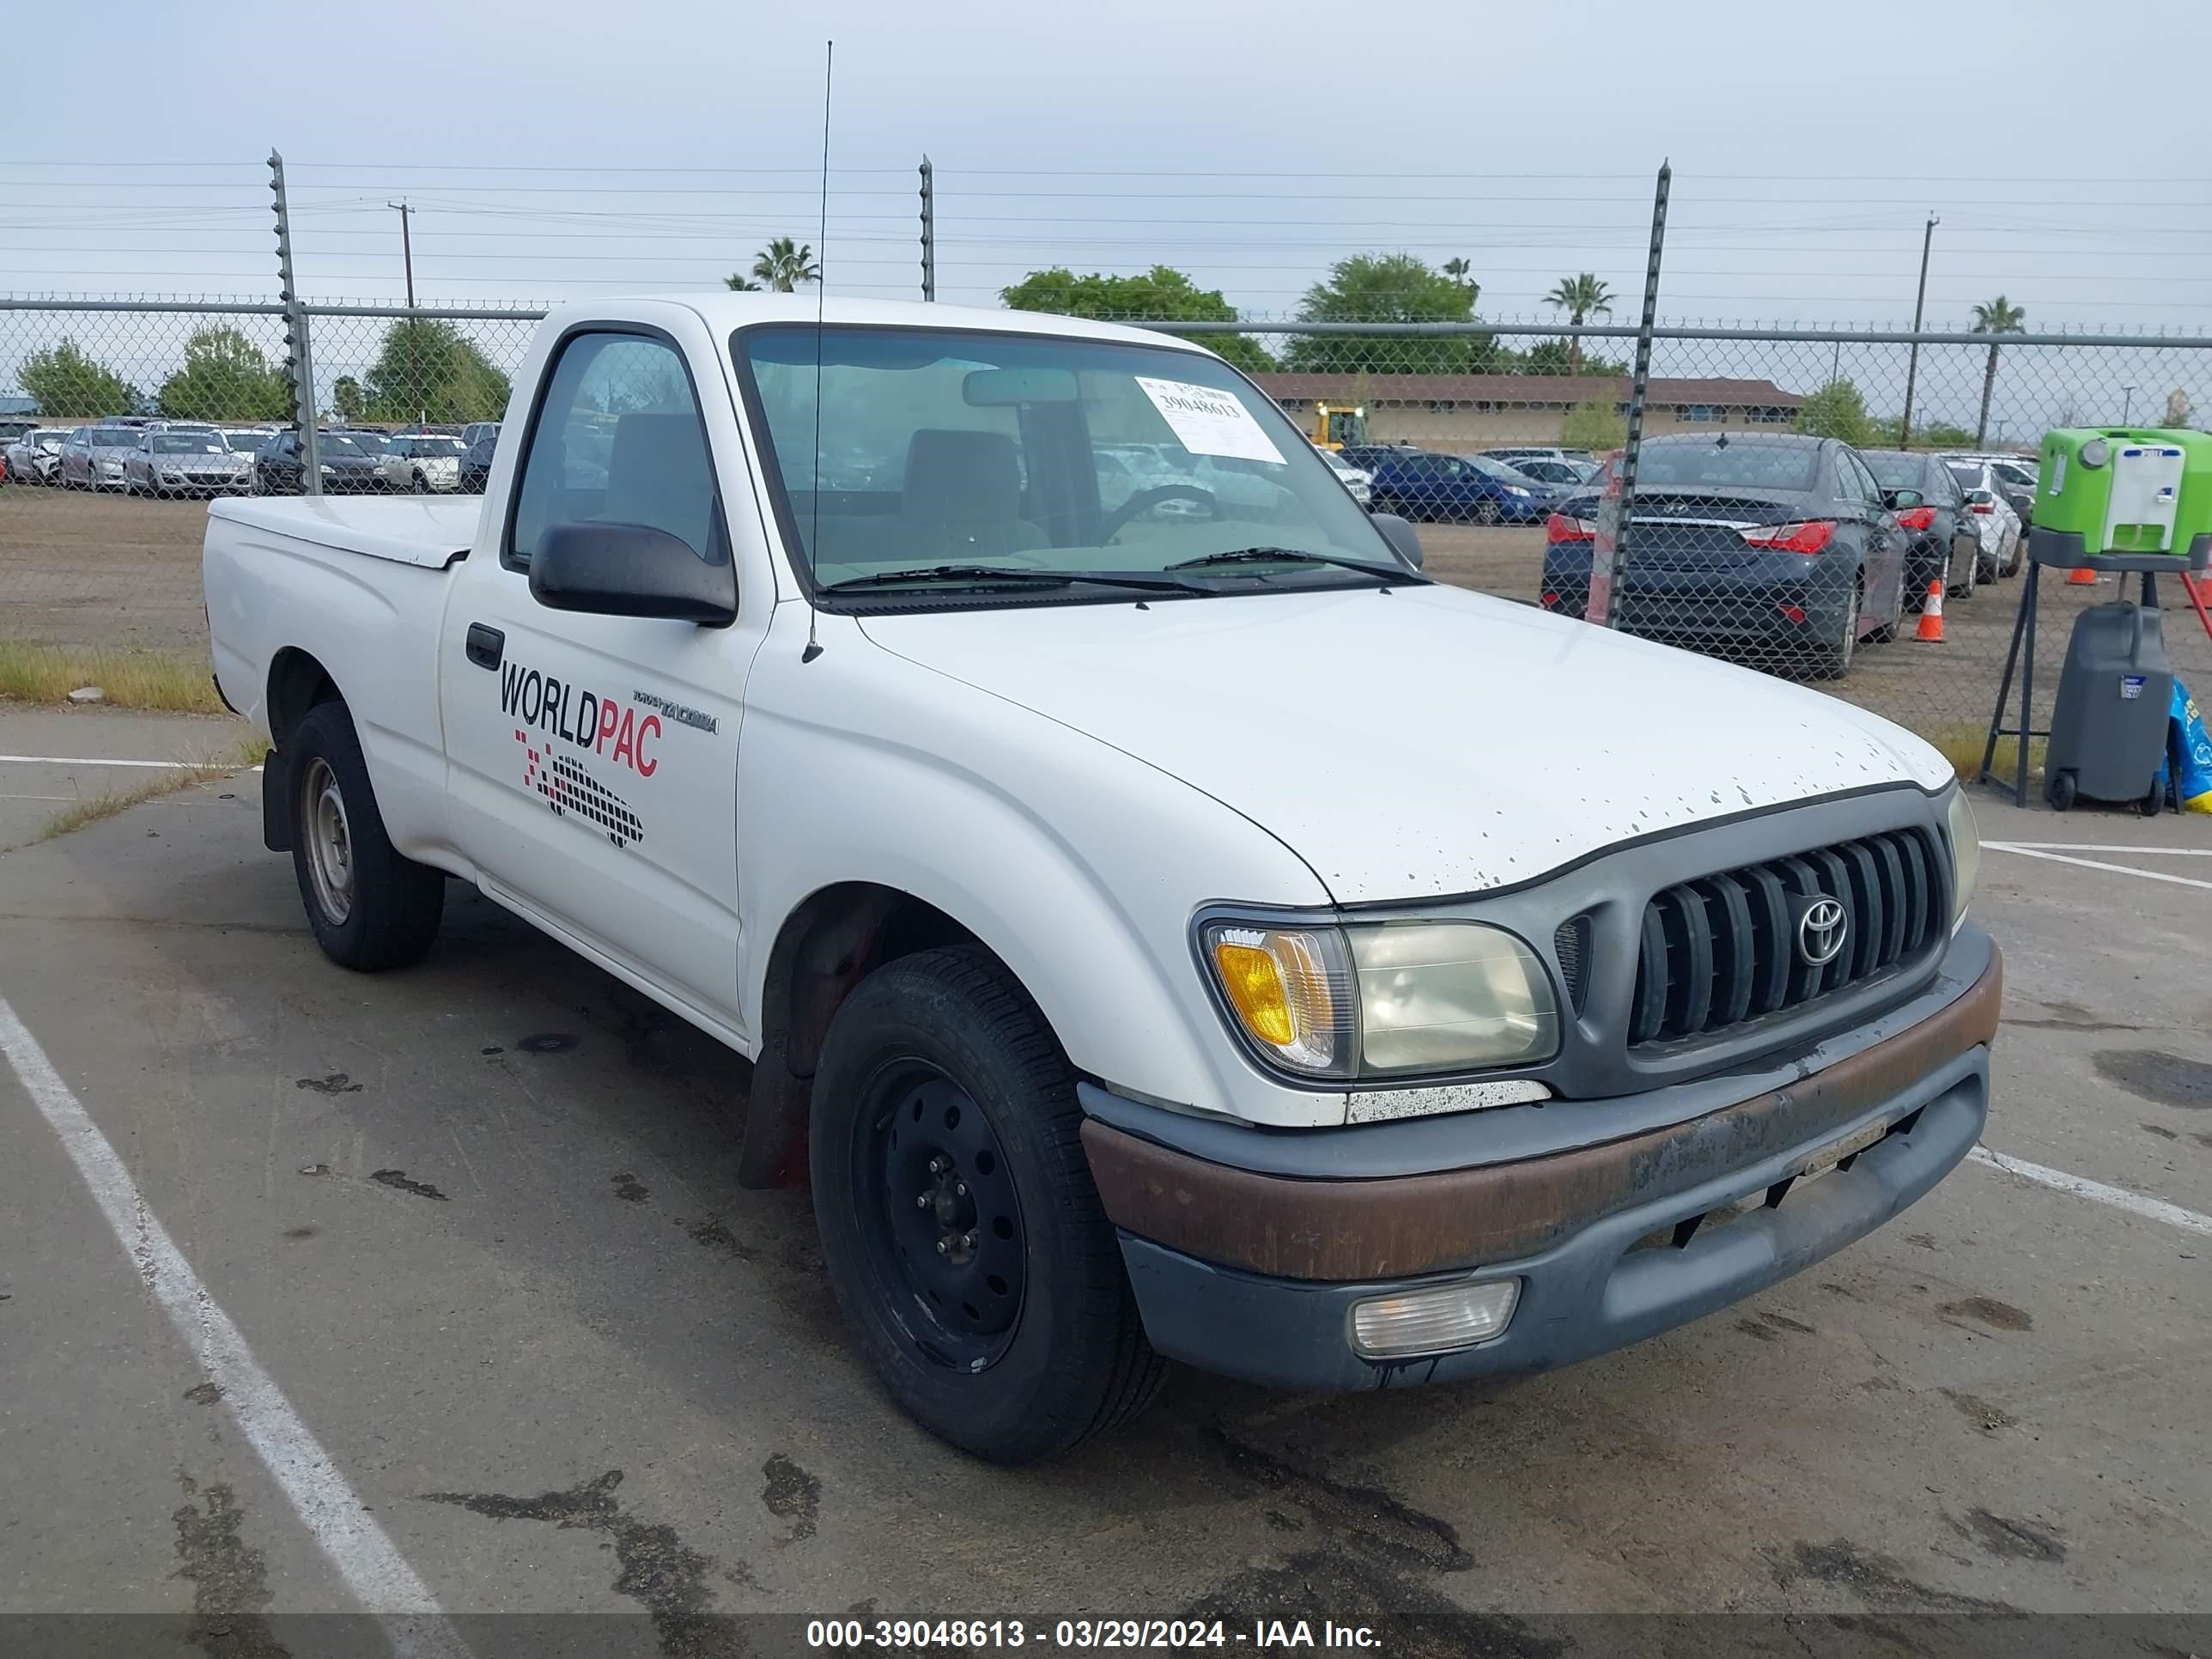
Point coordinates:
[(329, 841), (940, 1220)]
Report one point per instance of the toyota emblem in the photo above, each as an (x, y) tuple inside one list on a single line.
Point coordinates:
[(1820, 930)]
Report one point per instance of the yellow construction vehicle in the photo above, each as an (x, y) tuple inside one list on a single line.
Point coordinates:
[(1339, 425)]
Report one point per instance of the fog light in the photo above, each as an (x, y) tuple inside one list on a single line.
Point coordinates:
[(1433, 1321)]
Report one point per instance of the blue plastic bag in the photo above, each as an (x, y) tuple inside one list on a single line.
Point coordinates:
[(2189, 750)]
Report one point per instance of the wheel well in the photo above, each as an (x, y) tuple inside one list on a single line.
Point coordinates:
[(297, 683), (831, 942)]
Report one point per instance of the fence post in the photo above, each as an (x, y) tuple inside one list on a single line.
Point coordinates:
[(1618, 506), (299, 360), (929, 230)]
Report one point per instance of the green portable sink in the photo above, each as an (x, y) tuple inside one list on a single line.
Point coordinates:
[(2126, 489)]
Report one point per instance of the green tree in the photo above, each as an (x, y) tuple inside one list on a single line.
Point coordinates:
[(1580, 296), (1998, 316), (1162, 295), (429, 370), (225, 377), (783, 264), (1837, 409), (66, 383), (1596, 426), (1562, 357), (1390, 287), (346, 397), (741, 284)]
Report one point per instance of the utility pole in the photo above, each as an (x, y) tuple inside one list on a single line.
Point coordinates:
[(413, 328), (929, 230), (2127, 402), (299, 358), (1912, 362)]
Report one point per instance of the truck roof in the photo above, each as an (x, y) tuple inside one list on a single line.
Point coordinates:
[(723, 310)]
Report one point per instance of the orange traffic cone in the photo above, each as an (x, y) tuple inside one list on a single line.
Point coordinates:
[(2081, 576), (1931, 613)]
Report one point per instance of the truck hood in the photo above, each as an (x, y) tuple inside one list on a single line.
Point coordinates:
[(1422, 742)]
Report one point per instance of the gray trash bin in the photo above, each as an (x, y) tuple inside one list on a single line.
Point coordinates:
[(2108, 731)]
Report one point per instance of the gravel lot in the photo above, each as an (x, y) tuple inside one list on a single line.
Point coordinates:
[(104, 570)]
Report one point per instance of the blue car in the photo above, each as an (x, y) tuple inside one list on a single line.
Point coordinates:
[(1416, 484)]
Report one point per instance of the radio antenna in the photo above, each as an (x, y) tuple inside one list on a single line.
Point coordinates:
[(821, 294)]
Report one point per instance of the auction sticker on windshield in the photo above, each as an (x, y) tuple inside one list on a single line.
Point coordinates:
[(1210, 423)]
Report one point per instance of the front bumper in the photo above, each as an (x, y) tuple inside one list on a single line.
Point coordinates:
[(1256, 1274)]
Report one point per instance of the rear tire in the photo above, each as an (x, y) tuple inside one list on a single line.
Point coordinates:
[(940, 1080), (369, 907), (1833, 660)]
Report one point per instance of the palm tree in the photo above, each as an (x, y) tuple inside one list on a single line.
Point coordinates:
[(1459, 270), (741, 285), (1998, 316), (784, 264), (1580, 296)]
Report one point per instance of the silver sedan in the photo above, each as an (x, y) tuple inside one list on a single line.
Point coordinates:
[(185, 463), (423, 463)]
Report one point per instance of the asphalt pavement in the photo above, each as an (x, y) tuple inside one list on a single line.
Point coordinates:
[(475, 1231)]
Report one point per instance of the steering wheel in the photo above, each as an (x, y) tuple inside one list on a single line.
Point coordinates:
[(1146, 500)]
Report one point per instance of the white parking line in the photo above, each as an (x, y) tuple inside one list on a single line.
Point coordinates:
[(2092, 864), (2099, 847), (2155, 1209), (327, 1505), (91, 760)]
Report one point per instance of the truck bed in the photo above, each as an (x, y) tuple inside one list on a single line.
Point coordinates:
[(421, 530)]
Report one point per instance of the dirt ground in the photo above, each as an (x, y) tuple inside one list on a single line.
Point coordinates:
[(78, 569)]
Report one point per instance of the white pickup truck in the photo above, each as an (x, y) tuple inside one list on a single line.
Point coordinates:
[(1162, 924)]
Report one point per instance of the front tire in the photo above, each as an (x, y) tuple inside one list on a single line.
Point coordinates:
[(962, 1234), (369, 907)]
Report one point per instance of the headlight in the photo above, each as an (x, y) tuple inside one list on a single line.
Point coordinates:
[(1384, 999), (327, 469), (1515, 490), (1965, 854)]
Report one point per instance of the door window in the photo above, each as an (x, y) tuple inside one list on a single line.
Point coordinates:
[(618, 439)]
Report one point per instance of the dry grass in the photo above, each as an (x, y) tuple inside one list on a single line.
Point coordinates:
[(1961, 744), (131, 679), (93, 808)]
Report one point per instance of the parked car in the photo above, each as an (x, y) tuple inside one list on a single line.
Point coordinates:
[(1457, 488), (2003, 536), (1513, 455), (1558, 471), (178, 461), (1357, 480), (1780, 547), (277, 465), (93, 458), (2016, 479), (1105, 909), (422, 463), (36, 456), (475, 456), (13, 427), (1946, 543), (1368, 457)]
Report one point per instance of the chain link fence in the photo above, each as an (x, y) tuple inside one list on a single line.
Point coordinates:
[(1790, 510)]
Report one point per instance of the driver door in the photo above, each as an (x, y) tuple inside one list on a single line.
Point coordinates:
[(592, 760)]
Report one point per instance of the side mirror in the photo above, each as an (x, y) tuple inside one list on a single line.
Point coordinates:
[(1404, 541), (1898, 500), (629, 570)]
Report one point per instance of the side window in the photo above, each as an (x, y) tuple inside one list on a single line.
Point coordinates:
[(1854, 481), (617, 438)]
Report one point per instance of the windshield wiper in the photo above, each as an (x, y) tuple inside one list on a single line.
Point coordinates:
[(1292, 554), (974, 575)]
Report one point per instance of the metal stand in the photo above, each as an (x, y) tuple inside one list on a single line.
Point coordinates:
[(2063, 553)]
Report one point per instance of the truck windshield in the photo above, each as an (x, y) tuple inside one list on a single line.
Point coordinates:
[(944, 454)]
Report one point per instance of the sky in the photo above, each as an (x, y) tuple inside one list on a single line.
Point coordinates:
[(557, 148)]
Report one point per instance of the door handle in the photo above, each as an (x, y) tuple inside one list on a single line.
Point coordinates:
[(485, 646)]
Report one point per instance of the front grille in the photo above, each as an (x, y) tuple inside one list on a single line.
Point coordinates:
[(1722, 949), (1571, 944)]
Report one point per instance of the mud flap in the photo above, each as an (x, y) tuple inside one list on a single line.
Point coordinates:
[(276, 802)]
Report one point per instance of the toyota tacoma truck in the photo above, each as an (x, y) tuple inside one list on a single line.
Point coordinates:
[(1165, 929)]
